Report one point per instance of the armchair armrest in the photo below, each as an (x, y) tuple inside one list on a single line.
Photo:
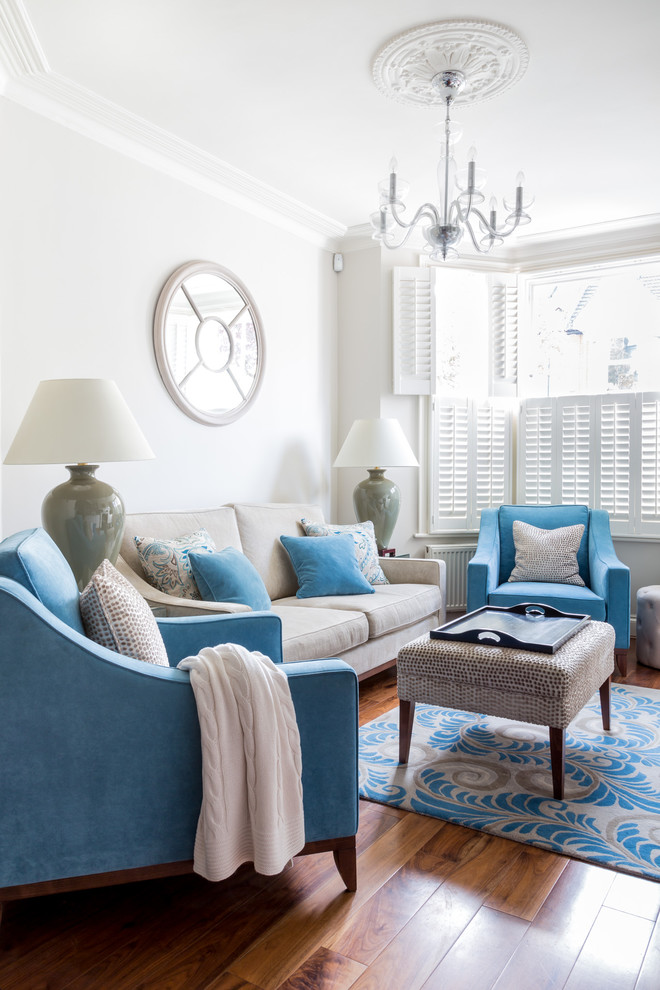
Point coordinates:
[(415, 570), (185, 637), (175, 606), (609, 577), (483, 570), (325, 697)]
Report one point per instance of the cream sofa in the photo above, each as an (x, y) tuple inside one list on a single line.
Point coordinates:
[(366, 631)]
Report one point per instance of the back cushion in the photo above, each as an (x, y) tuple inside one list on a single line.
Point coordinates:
[(32, 559), (260, 527), (543, 517), (220, 524)]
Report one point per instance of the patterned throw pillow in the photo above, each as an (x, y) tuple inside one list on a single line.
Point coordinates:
[(366, 548), (165, 562), (546, 554), (116, 616)]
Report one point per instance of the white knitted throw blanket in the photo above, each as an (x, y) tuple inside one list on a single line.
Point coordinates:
[(252, 808)]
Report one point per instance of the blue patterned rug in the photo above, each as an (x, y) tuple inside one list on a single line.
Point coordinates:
[(494, 774)]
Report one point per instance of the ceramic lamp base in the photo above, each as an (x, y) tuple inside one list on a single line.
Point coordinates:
[(378, 499), (85, 518)]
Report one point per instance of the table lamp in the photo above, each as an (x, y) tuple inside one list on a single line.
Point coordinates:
[(80, 422), (382, 443)]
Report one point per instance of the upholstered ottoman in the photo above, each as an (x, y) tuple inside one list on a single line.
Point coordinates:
[(541, 688), (647, 628)]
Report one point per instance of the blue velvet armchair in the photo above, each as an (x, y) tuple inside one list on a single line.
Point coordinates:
[(606, 592), (100, 754)]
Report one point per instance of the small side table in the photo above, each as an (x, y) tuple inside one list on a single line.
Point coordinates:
[(647, 642)]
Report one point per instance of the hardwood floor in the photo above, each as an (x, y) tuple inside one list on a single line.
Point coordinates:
[(437, 906)]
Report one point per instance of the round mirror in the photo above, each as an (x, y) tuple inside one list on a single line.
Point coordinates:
[(209, 342)]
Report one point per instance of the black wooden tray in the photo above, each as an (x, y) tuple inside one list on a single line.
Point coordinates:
[(528, 626)]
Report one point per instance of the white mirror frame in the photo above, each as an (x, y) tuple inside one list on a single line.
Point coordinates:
[(168, 292)]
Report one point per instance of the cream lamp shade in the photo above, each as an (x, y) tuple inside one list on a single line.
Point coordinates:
[(80, 422), (377, 444)]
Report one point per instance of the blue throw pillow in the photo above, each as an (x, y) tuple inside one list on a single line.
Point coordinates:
[(326, 567), (228, 576)]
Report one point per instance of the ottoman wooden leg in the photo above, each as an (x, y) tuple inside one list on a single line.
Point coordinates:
[(406, 719), (557, 747), (605, 702)]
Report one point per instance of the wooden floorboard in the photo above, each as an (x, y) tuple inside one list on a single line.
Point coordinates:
[(437, 906)]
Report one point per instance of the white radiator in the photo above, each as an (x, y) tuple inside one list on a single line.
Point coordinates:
[(456, 557)]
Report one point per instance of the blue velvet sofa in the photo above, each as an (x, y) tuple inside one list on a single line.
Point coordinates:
[(100, 756), (606, 592)]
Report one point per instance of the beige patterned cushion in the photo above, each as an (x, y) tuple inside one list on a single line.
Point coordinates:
[(546, 554), (116, 616), (166, 565)]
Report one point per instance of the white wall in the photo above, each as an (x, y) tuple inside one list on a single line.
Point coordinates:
[(365, 376), (88, 239)]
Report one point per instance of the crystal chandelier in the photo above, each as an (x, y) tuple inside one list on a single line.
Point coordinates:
[(423, 68)]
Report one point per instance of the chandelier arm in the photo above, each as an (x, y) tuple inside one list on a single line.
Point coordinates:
[(427, 210), (475, 242), (394, 246)]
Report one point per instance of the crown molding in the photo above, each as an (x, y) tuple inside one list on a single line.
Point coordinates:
[(20, 50), (26, 79)]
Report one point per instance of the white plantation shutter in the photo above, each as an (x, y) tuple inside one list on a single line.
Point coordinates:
[(471, 461), (536, 452), (576, 436), (503, 318), (492, 456), (650, 464), (600, 450), (616, 424), (449, 463), (413, 322)]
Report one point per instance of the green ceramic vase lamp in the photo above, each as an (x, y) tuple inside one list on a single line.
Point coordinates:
[(80, 422), (382, 443)]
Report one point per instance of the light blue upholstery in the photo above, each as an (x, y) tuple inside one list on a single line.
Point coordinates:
[(606, 595), (100, 758)]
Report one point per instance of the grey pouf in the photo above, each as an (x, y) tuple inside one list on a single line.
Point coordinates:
[(647, 643)]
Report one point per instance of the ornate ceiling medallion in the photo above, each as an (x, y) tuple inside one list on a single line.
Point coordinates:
[(491, 56)]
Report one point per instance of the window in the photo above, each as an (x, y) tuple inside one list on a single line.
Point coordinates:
[(444, 348), (592, 332), (579, 385)]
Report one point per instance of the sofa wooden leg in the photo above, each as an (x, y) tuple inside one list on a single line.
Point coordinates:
[(344, 854), (621, 658), (557, 748), (346, 863)]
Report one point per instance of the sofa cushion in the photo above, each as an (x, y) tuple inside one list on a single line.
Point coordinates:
[(326, 567), (546, 554), (391, 607), (316, 633), (166, 565), (366, 548), (32, 559), (228, 576), (219, 523), (565, 597), (260, 528), (116, 616)]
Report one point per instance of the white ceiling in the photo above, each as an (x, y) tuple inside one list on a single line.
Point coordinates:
[(282, 90)]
